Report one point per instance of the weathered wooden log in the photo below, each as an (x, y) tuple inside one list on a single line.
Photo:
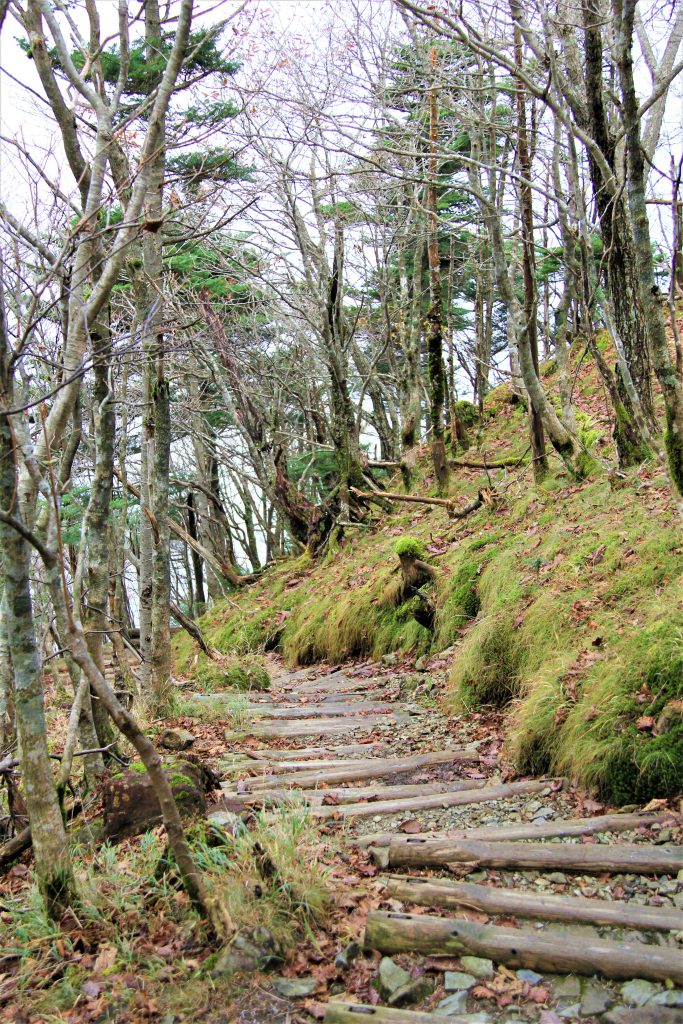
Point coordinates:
[(338, 709), (356, 1013), (645, 860), (371, 768), (319, 726), (304, 753), (468, 796), (431, 892), (521, 830), (350, 794), (517, 947), (14, 847)]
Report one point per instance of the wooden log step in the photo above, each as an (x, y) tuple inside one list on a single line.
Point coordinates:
[(370, 768), (276, 754), (459, 799), (319, 726), (337, 681), (520, 830), (517, 947), (291, 711), (356, 1013), (351, 794), (586, 859), (432, 892), (262, 771)]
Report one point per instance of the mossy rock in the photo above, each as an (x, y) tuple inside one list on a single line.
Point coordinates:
[(130, 804), (467, 413), (409, 547)]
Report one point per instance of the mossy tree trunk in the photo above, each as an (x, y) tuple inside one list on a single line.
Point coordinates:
[(434, 320), (536, 432), (667, 374), (621, 265), (52, 861), (7, 724), (563, 441), (94, 602)]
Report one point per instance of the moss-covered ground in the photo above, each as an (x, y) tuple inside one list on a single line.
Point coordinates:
[(562, 601)]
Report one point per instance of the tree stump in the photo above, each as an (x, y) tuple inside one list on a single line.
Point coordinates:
[(415, 574)]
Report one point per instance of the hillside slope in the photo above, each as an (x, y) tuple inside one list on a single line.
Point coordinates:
[(561, 603)]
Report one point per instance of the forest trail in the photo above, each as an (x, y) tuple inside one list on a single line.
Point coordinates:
[(492, 900)]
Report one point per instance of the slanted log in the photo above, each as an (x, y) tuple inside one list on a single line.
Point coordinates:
[(14, 847), (517, 947), (431, 892), (468, 796), (546, 830), (370, 768), (357, 1013), (643, 860)]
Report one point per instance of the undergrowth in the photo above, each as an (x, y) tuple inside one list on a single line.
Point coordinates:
[(135, 920)]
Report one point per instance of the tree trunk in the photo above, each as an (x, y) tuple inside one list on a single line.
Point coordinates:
[(434, 318), (53, 865), (97, 520), (7, 723), (540, 462), (669, 380), (617, 238)]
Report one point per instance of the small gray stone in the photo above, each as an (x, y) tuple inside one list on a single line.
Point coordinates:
[(414, 992), (345, 956), (637, 992), (295, 988), (544, 814), (672, 998), (478, 966), (531, 976), (176, 739), (248, 954), (567, 988), (669, 887), (457, 981), (557, 878), (453, 1004), (391, 977), (678, 900), (594, 1001), (570, 1011), (227, 820)]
